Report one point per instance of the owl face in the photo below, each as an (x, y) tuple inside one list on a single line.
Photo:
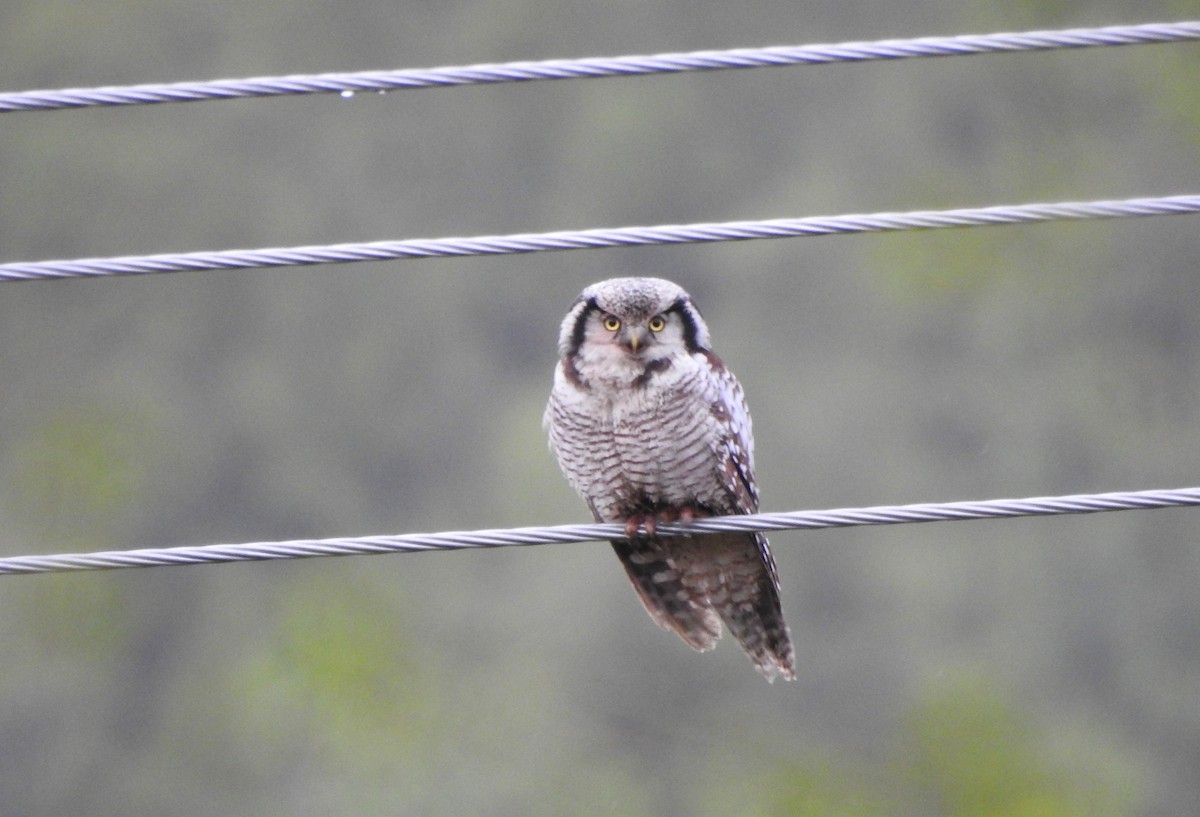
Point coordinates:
[(632, 322)]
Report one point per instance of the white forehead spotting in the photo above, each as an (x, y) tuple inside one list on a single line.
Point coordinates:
[(634, 297)]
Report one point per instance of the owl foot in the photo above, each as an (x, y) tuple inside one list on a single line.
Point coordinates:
[(640, 520), (667, 516), (685, 514)]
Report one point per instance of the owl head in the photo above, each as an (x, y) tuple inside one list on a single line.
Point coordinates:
[(643, 318)]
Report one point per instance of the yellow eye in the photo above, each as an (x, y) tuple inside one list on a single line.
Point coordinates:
[(612, 324), (657, 323)]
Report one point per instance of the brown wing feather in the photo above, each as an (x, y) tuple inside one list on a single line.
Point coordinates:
[(743, 578)]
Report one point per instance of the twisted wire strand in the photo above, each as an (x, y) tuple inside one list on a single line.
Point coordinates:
[(380, 81), (597, 238), (562, 534)]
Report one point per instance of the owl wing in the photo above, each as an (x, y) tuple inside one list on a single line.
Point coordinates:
[(735, 441), (737, 570), (735, 453)]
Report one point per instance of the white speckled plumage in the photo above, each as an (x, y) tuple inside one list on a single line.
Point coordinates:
[(648, 425)]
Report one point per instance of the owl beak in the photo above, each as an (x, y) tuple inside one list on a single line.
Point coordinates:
[(634, 339)]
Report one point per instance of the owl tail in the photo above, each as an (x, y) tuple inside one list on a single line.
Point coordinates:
[(737, 575), (690, 584), (746, 597), (659, 584)]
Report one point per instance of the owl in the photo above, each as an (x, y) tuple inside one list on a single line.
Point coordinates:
[(649, 427)]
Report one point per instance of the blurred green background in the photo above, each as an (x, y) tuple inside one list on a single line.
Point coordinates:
[(1037, 668)]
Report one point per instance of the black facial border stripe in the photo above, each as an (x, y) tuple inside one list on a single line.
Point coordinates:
[(577, 332), (687, 313)]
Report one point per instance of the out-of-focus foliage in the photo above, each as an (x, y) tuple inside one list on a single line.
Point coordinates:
[(973, 755), (72, 475), (962, 751), (407, 396), (820, 790)]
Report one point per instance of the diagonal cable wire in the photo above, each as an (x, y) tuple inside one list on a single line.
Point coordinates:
[(591, 68), (597, 238), (561, 534)]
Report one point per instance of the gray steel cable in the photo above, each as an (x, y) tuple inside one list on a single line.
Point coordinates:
[(380, 81), (597, 238), (559, 534)]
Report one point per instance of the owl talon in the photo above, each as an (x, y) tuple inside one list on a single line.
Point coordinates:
[(672, 515), (649, 522)]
